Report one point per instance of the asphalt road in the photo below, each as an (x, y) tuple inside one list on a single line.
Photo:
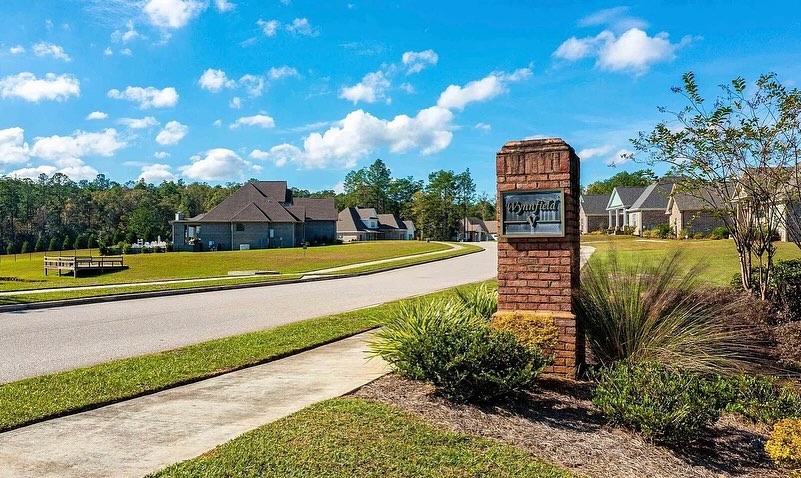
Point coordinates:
[(42, 341)]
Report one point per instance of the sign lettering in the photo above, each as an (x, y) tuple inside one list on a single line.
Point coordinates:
[(533, 213)]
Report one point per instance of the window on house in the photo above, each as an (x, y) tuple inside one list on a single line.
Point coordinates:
[(240, 227)]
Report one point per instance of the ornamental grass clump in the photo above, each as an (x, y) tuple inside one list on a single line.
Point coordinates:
[(646, 312), (668, 406)]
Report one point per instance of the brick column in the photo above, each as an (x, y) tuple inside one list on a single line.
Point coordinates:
[(538, 274)]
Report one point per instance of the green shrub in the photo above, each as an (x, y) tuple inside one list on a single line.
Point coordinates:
[(786, 288), (699, 235), (26, 247), (67, 244), (170, 247), (668, 406), (449, 343), (10, 248), (91, 243), (657, 312), (761, 399), (788, 344), (102, 249), (127, 248), (80, 242), (39, 246), (472, 364), (146, 250), (719, 233), (53, 246), (664, 231)]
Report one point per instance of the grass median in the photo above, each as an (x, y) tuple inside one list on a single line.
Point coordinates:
[(34, 399), (349, 437)]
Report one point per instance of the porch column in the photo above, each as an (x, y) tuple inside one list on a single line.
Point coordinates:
[(617, 218), (610, 219), (625, 219)]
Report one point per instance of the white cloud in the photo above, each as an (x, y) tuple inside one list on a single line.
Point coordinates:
[(457, 97), (269, 27), (78, 171), (217, 123), (236, 102), (215, 80), (253, 84), (415, 61), (126, 52), (149, 97), (361, 134), (372, 88), (219, 164), (138, 123), (128, 35), (156, 173), (108, 51), (172, 133), (13, 148), (633, 51), (483, 126), (620, 157), (33, 173), (407, 87), (51, 50), (97, 115), (301, 26), (589, 153), (64, 150), (616, 17), (161, 155), (224, 6), (173, 13), (17, 50), (339, 187), (30, 88), (282, 72), (261, 121)]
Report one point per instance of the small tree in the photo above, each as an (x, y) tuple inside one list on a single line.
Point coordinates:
[(26, 247), (92, 242), (53, 246), (10, 249), (80, 242), (67, 244), (725, 157), (39, 246)]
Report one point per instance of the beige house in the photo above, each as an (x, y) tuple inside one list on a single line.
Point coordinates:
[(473, 229), (649, 209)]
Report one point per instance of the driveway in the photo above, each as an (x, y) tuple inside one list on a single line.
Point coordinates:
[(37, 342)]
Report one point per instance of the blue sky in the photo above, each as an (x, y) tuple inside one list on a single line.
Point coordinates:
[(225, 90)]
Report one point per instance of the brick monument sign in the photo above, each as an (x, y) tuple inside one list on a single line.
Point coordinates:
[(538, 242)]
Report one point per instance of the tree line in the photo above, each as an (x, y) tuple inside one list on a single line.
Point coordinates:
[(55, 213)]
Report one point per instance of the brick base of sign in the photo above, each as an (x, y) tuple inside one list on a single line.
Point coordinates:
[(542, 273)]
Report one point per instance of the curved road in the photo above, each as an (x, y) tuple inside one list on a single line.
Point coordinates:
[(37, 342)]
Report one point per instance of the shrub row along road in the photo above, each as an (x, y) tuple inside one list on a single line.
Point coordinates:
[(37, 342)]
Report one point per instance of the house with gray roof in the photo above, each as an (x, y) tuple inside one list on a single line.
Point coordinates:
[(620, 201), (366, 224), (592, 212), (649, 209), (474, 229), (693, 212), (259, 215)]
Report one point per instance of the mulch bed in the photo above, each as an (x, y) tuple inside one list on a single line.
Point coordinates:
[(558, 423)]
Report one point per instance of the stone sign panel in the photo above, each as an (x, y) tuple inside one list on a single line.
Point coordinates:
[(538, 245), (533, 213)]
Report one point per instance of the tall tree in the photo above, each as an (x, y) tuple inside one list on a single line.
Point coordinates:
[(642, 177)]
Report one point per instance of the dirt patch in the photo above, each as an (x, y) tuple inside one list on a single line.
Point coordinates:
[(558, 423)]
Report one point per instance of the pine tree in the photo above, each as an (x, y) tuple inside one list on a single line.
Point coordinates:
[(53, 246), (67, 244), (39, 247), (26, 247)]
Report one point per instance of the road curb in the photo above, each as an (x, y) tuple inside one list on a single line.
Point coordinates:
[(195, 290)]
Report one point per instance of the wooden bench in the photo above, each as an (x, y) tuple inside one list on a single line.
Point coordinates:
[(76, 264)]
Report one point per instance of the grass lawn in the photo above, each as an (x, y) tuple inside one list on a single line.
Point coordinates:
[(349, 437), (27, 271), (718, 258), (33, 399)]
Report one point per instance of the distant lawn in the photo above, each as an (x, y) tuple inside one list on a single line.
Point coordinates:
[(718, 257), (350, 437), (27, 271), (33, 399)]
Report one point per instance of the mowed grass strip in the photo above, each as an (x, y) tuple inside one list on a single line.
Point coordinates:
[(27, 271), (29, 400), (466, 249), (718, 258), (351, 437)]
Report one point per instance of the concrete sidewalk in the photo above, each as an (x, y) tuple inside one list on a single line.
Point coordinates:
[(135, 437)]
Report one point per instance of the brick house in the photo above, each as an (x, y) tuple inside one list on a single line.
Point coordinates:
[(259, 215), (365, 224), (692, 211)]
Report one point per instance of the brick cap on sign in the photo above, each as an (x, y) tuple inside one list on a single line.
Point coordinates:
[(543, 144)]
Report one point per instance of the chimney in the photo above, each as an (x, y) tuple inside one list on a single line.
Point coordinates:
[(179, 216)]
